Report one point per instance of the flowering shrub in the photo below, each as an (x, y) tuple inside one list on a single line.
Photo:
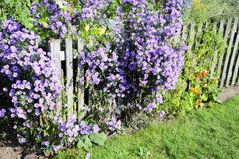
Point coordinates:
[(140, 63), (31, 88), (129, 51), (132, 57), (60, 19), (54, 18)]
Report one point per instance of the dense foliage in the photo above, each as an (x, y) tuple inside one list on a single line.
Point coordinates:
[(132, 57), (132, 72), (198, 86), (31, 88), (19, 10), (198, 10), (29, 82)]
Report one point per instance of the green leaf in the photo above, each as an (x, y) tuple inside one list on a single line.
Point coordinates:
[(43, 22), (98, 138), (87, 144), (80, 144), (204, 97)]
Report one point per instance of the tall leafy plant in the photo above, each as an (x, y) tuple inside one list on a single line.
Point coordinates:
[(17, 9), (196, 87)]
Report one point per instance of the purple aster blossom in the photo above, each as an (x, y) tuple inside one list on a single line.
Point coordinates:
[(61, 22), (26, 89), (96, 128), (2, 113)]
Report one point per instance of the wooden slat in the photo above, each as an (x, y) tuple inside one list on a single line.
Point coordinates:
[(55, 50), (184, 32), (228, 28), (235, 51), (63, 58), (199, 32), (69, 76), (215, 58), (206, 25), (224, 73), (81, 87), (191, 36), (232, 61)]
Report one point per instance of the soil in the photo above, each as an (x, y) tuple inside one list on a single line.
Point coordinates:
[(9, 149), (228, 93)]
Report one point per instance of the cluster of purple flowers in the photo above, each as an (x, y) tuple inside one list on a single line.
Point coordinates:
[(130, 72), (54, 18), (92, 9), (29, 80), (59, 18), (32, 88), (141, 63)]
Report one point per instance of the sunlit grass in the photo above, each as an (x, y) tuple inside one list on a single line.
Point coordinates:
[(206, 133)]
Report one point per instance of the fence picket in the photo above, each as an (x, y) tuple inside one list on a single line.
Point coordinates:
[(215, 57), (55, 49), (228, 28), (80, 82), (235, 51), (191, 36), (184, 32), (224, 73), (69, 76), (199, 32), (229, 73)]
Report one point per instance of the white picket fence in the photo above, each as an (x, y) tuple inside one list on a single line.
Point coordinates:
[(70, 74), (227, 66)]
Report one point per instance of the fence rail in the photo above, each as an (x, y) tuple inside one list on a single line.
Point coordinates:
[(227, 65)]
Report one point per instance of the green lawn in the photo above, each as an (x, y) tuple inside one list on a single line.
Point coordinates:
[(206, 133)]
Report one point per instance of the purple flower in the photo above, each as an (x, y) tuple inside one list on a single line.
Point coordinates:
[(96, 128), (45, 143), (2, 113)]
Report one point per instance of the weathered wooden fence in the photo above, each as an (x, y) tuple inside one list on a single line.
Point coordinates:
[(62, 52), (227, 65), (63, 55)]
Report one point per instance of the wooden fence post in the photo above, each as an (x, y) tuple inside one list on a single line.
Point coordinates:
[(216, 57), (55, 49), (228, 28), (80, 81), (69, 76), (235, 50)]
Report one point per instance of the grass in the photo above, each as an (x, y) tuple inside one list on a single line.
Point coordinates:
[(206, 133)]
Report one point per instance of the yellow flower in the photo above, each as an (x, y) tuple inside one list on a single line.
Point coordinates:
[(87, 27), (101, 31)]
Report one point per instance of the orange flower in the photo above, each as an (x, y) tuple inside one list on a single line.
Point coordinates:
[(197, 91), (204, 73), (197, 76), (198, 102)]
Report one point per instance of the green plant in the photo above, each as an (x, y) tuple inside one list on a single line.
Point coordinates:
[(195, 87), (86, 142), (203, 10), (17, 9)]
